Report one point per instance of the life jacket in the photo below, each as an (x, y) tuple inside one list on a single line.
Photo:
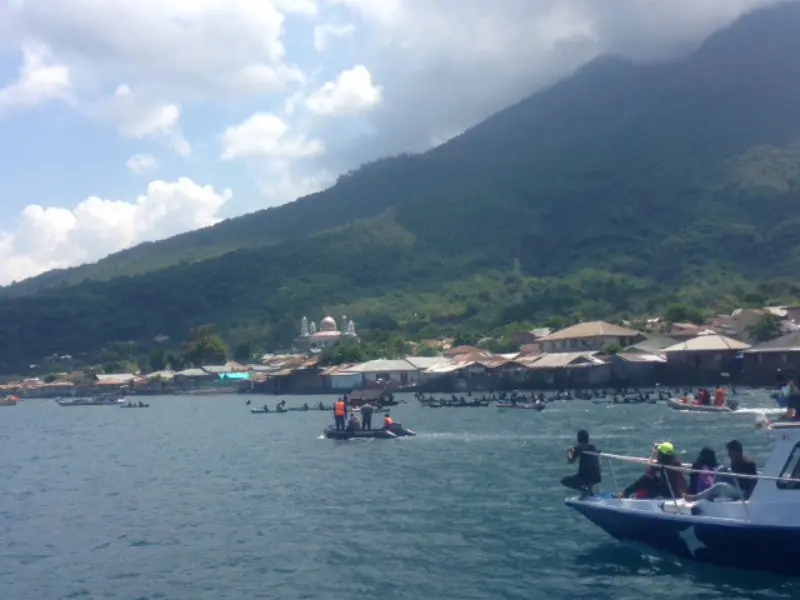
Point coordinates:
[(388, 422), (340, 409), (719, 397)]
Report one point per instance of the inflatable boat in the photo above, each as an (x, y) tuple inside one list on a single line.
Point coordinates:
[(398, 431), (678, 405)]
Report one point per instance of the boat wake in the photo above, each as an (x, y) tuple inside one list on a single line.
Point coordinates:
[(760, 411)]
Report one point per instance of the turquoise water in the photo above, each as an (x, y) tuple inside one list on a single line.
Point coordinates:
[(195, 498)]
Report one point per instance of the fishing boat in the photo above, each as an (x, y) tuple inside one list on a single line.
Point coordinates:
[(520, 405), (731, 406), (347, 434), (98, 400), (759, 533)]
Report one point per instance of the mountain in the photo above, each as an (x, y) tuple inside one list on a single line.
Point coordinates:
[(619, 189)]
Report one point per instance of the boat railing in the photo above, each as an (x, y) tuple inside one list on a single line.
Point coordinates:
[(685, 468)]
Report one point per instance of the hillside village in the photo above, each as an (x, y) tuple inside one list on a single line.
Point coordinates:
[(595, 354)]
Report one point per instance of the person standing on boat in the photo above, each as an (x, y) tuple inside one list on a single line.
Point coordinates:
[(791, 393), (588, 474), (366, 416), (353, 425), (719, 397), (340, 414)]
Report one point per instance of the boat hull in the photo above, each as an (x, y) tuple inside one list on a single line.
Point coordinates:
[(741, 545), (382, 434)]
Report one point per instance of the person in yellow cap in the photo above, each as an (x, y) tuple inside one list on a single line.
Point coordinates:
[(658, 482)]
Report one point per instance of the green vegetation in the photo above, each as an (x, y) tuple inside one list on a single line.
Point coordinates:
[(622, 191), (767, 328)]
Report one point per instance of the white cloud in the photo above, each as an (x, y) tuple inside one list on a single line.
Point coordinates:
[(267, 135), (40, 79), (142, 164), (206, 48), (50, 238), (324, 33), (139, 117), (352, 92), (302, 7)]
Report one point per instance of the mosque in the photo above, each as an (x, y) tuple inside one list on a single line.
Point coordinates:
[(311, 340)]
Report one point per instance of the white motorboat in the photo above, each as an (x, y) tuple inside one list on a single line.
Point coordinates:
[(761, 532)]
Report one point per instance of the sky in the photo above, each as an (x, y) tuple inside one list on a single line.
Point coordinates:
[(123, 122)]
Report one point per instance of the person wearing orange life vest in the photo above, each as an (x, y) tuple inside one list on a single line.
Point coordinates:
[(719, 396), (388, 422), (340, 414)]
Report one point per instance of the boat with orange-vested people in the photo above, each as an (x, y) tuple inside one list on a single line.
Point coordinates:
[(9, 400)]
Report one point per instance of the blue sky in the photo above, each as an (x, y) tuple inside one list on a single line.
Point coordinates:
[(125, 122)]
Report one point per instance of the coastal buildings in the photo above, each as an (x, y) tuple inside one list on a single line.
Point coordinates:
[(705, 358), (590, 336), (762, 361)]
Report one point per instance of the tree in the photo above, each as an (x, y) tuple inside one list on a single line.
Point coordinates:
[(767, 328), (205, 347), (50, 378), (611, 348), (425, 350), (683, 313), (112, 366), (176, 363), (157, 360), (347, 350), (243, 353)]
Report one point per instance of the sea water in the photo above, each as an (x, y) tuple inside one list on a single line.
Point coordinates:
[(195, 498)]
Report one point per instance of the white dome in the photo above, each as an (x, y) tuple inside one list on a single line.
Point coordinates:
[(327, 324)]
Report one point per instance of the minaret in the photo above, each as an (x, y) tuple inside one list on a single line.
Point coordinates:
[(313, 328), (304, 327), (351, 328)]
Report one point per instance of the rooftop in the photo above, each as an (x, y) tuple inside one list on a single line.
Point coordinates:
[(708, 343), (590, 329), (787, 343)]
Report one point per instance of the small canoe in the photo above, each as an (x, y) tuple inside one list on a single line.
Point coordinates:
[(519, 405)]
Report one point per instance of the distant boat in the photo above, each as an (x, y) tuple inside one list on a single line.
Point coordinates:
[(98, 400), (206, 391), (9, 401)]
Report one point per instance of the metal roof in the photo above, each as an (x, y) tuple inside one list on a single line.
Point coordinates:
[(786, 343), (555, 360), (192, 373), (424, 362), (589, 329), (641, 357), (383, 365), (115, 378), (708, 343)]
